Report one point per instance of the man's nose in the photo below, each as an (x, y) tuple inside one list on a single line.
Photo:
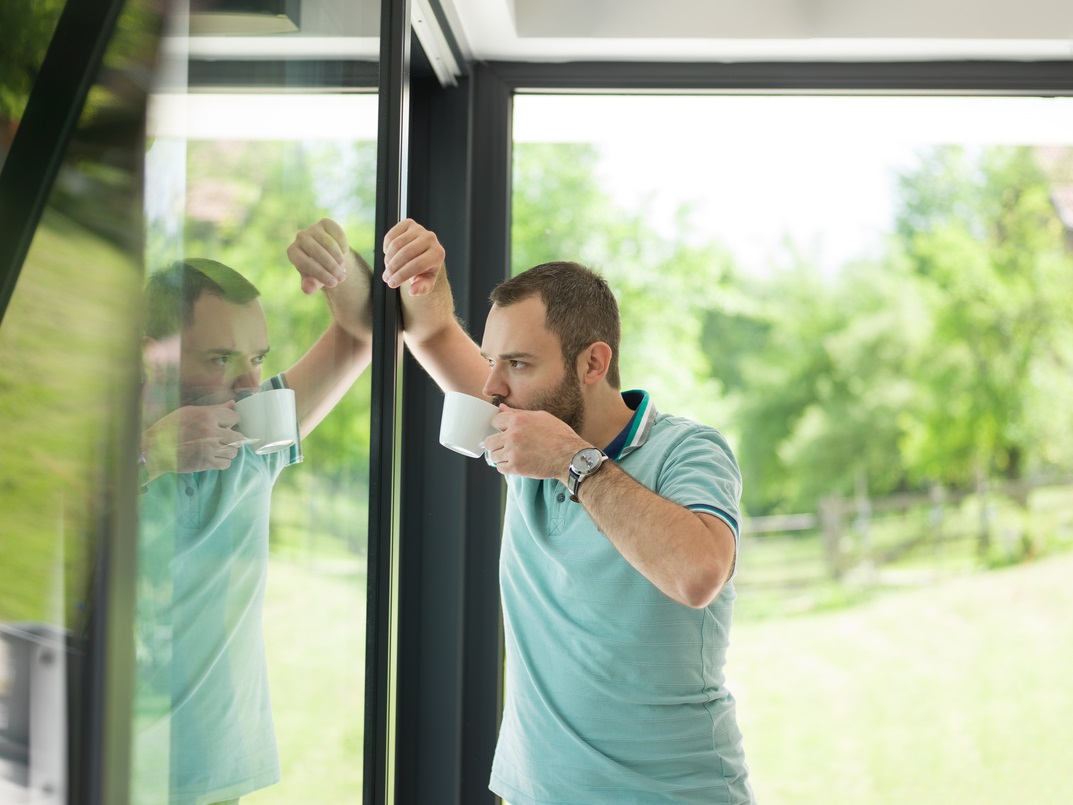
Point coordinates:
[(247, 380), (494, 385)]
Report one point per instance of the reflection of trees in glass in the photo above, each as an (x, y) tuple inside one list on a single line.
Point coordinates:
[(25, 31), (245, 202), (949, 359), (68, 345)]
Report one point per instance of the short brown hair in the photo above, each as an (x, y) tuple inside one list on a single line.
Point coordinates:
[(170, 294), (581, 309)]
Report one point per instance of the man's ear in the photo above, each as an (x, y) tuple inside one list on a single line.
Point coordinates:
[(593, 362), (160, 354)]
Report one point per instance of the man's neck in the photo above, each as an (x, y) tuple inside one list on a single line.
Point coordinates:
[(605, 416)]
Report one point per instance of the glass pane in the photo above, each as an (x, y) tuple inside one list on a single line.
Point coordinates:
[(68, 389), (252, 570), (872, 298), (25, 31)]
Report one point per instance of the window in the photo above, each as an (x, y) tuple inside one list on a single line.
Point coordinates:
[(870, 297)]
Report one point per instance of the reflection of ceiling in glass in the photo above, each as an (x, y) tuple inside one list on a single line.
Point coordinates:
[(321, 29)]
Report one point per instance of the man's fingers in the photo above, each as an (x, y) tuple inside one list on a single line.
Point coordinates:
[(421, 258), (396, 232), (396, 245), (226, 416), (335, 232), (320, 255)]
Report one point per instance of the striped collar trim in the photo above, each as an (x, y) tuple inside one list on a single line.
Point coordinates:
[(637, 430)]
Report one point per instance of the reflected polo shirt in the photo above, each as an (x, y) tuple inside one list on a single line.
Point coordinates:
[(203, 567), (615, 693)]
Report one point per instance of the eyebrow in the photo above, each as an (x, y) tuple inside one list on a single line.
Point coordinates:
[(508, 356), (226, 351)]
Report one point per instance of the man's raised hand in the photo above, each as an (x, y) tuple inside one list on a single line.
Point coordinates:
[(319, 253), (412, 253)]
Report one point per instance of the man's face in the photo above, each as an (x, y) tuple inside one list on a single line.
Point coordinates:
[(222, 351), (525, 364)]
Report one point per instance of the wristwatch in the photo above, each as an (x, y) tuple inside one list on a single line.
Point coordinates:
[(584, 463)]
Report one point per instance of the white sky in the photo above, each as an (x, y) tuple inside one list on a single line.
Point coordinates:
[(264, 116), (817, 169)]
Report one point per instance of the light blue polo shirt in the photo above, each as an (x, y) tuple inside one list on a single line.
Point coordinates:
[(203, 717), (615, 693)]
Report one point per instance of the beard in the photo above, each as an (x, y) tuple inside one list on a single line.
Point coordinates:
[(564, 402)]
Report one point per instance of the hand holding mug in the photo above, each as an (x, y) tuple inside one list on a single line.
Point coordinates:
[(192, 439)]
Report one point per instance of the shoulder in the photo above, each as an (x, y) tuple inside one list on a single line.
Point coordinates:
[(674, 434)]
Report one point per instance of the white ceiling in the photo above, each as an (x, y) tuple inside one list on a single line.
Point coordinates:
[(684, 30), (728, 30)]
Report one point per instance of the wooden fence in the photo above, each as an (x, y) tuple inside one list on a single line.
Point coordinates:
[(904, 539)]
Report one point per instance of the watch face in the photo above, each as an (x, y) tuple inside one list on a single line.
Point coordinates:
[(586, 459)]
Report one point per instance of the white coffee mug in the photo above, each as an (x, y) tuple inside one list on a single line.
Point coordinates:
[(268, 420), (465, 423)]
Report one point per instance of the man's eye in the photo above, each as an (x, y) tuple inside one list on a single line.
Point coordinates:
[(517, 364), (258, 360), (222, 360)]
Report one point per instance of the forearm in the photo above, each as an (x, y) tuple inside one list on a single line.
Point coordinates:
[(438, 341), (324, 374), (350, 301), (687, 556)]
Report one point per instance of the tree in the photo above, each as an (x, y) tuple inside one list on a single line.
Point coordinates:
[(982, 234), (663, 284)]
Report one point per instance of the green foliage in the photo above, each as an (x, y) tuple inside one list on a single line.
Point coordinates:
[(943, 362), (25, 31), (67, 374), (663, 286), (998, 285)]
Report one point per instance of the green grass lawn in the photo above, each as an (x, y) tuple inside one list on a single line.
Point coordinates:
[(957, 693), (315, 636)]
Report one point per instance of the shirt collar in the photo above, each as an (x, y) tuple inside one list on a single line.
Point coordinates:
[(637, 429)]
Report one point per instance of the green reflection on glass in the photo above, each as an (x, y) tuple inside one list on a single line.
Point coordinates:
[(196, 722)]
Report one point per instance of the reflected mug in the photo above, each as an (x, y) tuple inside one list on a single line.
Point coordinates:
[(465, 423), (268, 420)]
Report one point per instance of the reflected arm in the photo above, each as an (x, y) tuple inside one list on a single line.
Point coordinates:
[(324, 374)]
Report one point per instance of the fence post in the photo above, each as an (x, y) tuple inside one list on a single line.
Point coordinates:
[(936, 518), (987, 516), (831, 521)]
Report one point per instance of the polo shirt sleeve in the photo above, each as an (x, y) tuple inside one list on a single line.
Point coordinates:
[(701, 474)]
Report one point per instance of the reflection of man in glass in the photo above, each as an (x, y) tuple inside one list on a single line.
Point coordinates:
[(203, 709)]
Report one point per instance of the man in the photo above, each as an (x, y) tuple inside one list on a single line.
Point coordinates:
[(619, 544), (202, 709)]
